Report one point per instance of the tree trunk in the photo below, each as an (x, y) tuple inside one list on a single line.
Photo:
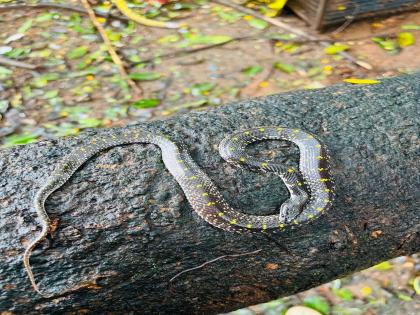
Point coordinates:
[(125, 228)]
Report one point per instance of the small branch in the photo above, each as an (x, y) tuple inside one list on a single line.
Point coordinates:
[(115, 58), (291, 29), (212, 261), (184, 52), (14, 63), (59, 7)]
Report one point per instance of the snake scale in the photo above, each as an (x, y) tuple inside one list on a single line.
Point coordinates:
[(311, 187)]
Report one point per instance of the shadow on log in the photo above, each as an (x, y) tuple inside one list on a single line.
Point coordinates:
[(125, 228)]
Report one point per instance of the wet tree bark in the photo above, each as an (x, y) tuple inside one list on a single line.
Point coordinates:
[(125, 228)]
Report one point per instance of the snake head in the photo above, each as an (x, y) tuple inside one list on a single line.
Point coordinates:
[(289, 211)]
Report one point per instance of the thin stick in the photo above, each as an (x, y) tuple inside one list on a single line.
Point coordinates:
[(115, 58), (212, 261), (291, 29), (57, 6), (14, 63), (184, 52)]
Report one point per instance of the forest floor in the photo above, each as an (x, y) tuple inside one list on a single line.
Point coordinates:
[(223, 56)]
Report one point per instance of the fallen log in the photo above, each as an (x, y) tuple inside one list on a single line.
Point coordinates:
[(126, 239)]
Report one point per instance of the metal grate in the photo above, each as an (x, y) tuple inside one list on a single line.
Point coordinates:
[(322, 13)]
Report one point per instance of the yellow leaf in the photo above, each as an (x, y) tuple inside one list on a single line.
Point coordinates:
[(341, 7), (383, 266), (366, 291), (263, 84), (405, 39), (361, 81), (277, 4)]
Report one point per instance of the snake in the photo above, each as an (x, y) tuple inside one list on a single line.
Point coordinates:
[(310, 187)]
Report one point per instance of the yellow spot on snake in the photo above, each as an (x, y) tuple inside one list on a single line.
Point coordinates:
[(231, 149), (113, 137), (324, 179), (310, 216), (235, 139), (249, 226), (321, 169), (327, 190), (296, 130), (290, 170), (246, 133), (319, 209), (193, 177), (211, 203), (310, 137), (264, 226), (327, 200), (205, 194), (261, 129), (264, 164), (279, 129), (319, 157), (317, 146), (82, 149), (295, 222), (221, 214), (232, 221), (299, 184), (199, 186), (281, 226), (242, 159), (180, 161)]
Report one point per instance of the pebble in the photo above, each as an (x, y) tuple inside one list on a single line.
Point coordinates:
[(301, 310)]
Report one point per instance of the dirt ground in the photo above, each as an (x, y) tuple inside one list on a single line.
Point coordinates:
[(77, 86)]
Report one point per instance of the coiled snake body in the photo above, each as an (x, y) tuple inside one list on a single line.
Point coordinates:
[(311, 188)]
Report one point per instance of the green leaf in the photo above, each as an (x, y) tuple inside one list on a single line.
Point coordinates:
[(405, 39), (335, 49), (229, 16), (386, 44), (416, 285), (173, 38), (146, 103), (77, 52), (257, 23), (201, 88), (19, 139), (404, 297), (284, 67), (384, 266), (343, 294), (4, 72), (43, 80), (196, 39), (18, 52), (50, 94), (317, 303), (284, 36), (252, 70), (410, 27), (62, 130), (25, 26), (145, 76), (89, 123)]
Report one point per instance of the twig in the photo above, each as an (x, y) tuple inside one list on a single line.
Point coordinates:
[(115, 58), (184, 52), (14, 63), (212, 261), (47, 5), (291, 29)]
